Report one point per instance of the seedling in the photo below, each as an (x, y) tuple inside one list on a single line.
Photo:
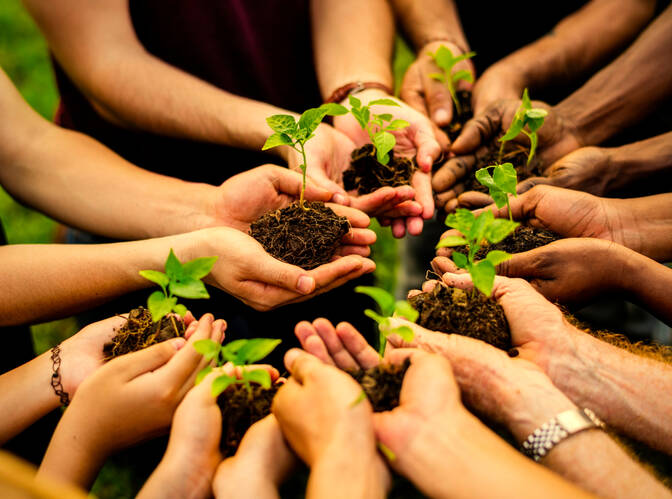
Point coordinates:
[(474, 231), (444, 58), (180, 279), (375, 125), (295, 134), (526, 115), (500, 184), (388, 308), (240, 353)]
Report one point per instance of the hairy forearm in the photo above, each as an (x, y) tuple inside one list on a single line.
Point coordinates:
[(42, 282), (639, 160), (610, 381), (426, 21), (579, 42), (352, 42), (646, 225), (625, 91), (26, 395)]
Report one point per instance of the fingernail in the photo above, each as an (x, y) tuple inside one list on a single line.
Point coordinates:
[(305, 284), (179, 343), (339, 198), (441, 116)]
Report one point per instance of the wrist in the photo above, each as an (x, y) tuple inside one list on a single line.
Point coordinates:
[(179, 477)]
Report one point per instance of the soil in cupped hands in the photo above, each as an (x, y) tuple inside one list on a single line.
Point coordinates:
[(382, 384), (367, 174), (306, 236), (140, 332), (466, 312), (524, 238), (242, 408), (454, 128)]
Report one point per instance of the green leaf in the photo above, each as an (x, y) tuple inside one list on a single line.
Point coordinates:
[(533, 146), (526, 102), (505, 178), (310, 119), (499, 229), (405, 332), (483, 276), (513, 131), (277, 139), (534, 124), (282, 123), (230, 350), (461, 220), (536, 113), (404, 309), (180, 310), (221, 383), (451, 241), (160, 305), (384, 143), (498, 197), (188, 287), (361, 116), (478, 228), (155, 276), (385, 116), (387, 452), (463, 74), (208, 348), (202, 374), (484, 178), (384, 102), (460, 259), (360, 398), (256, 349), (397, 124), (198, 268), (354, 101), (333, 109), (259, 376), (384, 299), (438, 77), (443, 58), (376, 317), (496, 257), (173, 266), (463, 57)]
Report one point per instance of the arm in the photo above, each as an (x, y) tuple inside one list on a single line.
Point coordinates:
[(577, 44), (596, 108)]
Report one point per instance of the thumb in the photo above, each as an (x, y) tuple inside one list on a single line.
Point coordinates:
[(526, 185), (319, 178), (477, 131), (272, 271), (520, 265), (290, 182), (149, 359), (439, 102)]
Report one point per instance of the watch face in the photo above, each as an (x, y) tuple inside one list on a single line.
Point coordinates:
[(574, 420)]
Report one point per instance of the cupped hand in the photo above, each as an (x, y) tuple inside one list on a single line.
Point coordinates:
[(318, 410), (245, 270), (499, 82), (427, 95), (264, 455)]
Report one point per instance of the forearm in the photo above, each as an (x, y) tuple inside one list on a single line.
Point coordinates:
[(26, 396), (352, 41), (646, 225), (609, 381), (426, 21), (579, 42), (173, 480), (626, 90), (41, 282), (639, 160)]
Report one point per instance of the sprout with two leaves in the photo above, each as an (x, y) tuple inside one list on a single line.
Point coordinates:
[(445, 60), (529, 116), (500, 184)]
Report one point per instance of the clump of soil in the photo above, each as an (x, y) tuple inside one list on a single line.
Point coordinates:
[(240, 410), (454, 128), (305, 237), (514, 153), (367, 174), (524, 238), (140, 332), (469, 313), (382, 384)]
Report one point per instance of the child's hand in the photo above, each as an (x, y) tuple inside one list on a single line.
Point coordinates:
[(130, 399)]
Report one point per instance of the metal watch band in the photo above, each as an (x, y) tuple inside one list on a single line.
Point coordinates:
[(552, 432)]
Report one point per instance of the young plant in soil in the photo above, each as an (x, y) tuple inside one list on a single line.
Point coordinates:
[(500, 184), (528, 116), (306, 234), (147, 326), (243, 400), (374, 165), (474, 313)]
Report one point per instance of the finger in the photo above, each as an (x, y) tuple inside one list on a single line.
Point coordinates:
[(428, 148), (143, 361), (405, 209), (383, 199), (474, 199), (441, 265), (439, 103), (331, 340), (478, 131), (411, 91), (238, 371), (359, 237), (190, 329), (301, 365), (363, 353), (414, 225), (398, 227), (521, 264), (262, 267), (428, 286), (422, 183), (312, 342), (384, 221), (450, 204), (413, 292), (451, 172), (319, 179), (290, 182), (527, 184), (357, 218), (364, 251)]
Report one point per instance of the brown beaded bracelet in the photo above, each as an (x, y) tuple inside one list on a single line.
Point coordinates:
[(353, 88), (56, 382)]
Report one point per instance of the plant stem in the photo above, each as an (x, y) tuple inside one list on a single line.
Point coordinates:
[(382, 341), (453, 95), (508, 205), (304, 167), (501, 152)]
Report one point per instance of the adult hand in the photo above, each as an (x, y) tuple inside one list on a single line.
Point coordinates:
[(246, 271), (427, 95), (262, 454), (498, 82)]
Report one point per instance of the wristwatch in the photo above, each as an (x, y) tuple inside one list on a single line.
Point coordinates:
[(552, 432)]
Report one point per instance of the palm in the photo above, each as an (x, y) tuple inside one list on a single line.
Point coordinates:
[(328, 155)]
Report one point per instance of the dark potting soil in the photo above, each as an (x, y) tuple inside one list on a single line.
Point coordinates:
[(469, 313), (240, 410), (382, 384), (140, 332), (454, 128), (366, 174), (514, 153), (524, 238), (305, 237)]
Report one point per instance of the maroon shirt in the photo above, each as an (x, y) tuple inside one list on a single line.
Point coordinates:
[(256, 49)]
